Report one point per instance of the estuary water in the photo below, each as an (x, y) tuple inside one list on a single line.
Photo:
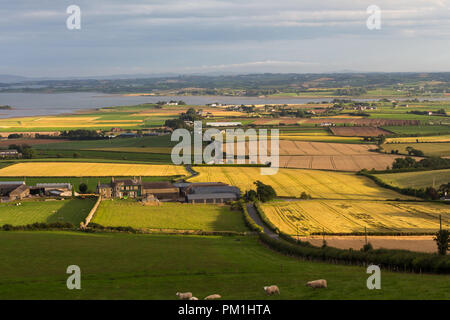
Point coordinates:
[(36, 104)]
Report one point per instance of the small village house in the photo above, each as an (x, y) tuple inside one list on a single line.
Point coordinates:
[(10, 154)]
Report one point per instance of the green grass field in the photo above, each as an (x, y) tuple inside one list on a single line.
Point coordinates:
[(127, 266), (432, 149), (419, 130), (169, 215), (29, 212), (408, 116), (420, 179), (144, 142)]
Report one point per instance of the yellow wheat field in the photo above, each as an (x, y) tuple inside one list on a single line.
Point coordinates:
[(353, 216), (66, 122), (85, 169), (292, 182)]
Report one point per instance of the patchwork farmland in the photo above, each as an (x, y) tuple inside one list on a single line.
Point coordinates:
[(316, 158)]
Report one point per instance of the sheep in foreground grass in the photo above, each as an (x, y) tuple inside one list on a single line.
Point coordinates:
[(184, 296), (317, 284), (213, 296), (193, 298), (270, 290)]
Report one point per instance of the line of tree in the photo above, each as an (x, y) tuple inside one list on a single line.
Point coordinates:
[(429, 163), (81, 134), (263, 193)]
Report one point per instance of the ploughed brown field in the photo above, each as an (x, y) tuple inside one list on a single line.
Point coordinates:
[(307, 148), (412, 243), (358, 131), (339, 162), (30, 142), (328, 156)]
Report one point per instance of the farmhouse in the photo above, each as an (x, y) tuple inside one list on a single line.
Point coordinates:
[(135, 188), (13, 190)]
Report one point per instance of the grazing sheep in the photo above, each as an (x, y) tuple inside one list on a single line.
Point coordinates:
[(213, 296), (184, 296), (193, 298), (270, 290), (317, 284)]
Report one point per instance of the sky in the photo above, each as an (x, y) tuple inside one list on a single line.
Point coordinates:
[(222, 36)]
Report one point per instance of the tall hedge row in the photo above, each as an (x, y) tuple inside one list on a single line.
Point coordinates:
[(394, 260), (264, 218), (249, 222), (38, 226)]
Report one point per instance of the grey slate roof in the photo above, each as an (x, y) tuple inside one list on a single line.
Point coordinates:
[(207, 196)]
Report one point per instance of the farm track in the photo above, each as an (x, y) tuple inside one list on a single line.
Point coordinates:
[(255, 216)]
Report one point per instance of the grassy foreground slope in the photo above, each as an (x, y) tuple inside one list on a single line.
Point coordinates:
[(29, 212), (126, 266), (418, 179), (169, 216)]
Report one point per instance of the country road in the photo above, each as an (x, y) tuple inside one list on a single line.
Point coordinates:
[(254, 215)]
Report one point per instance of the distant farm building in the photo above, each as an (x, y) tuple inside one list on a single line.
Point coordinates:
[(10, 154), (13, 190), (53, 189), (223, 124)]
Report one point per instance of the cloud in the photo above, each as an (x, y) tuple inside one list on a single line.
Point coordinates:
[(217, 34)]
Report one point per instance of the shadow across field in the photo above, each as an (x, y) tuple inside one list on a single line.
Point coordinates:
[(73, 211)]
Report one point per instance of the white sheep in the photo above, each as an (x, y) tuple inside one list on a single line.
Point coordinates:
[(193, 298), (317, 284), (213, 296), (270, 290), (184, 296)]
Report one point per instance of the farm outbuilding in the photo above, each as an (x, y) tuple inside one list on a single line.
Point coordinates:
[(211, 197), (13, 190), (54, 189), (210, 192), (162, 190)]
